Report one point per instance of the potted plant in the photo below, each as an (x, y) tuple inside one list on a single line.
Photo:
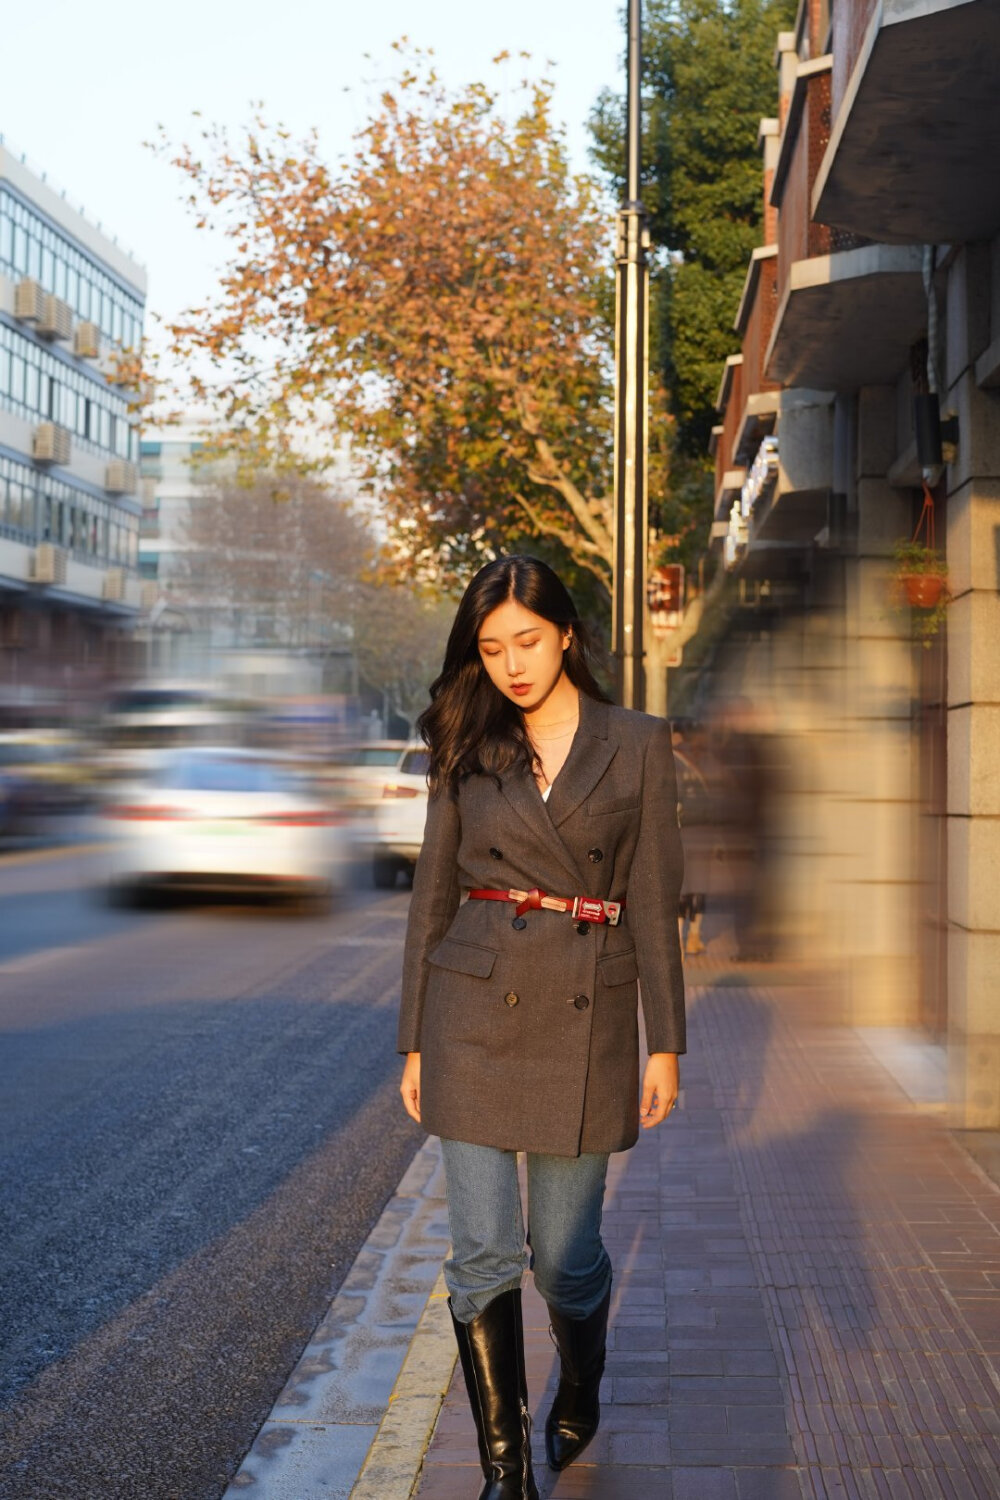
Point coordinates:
[(921, 582), (921, 577)]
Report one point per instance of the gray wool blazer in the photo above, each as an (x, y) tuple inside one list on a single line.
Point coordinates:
[(529, 1035)]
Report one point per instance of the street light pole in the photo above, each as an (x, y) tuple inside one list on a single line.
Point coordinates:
[(631, 405)]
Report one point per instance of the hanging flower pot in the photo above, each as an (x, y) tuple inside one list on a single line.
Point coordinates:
[(920, 581), (923, 590)]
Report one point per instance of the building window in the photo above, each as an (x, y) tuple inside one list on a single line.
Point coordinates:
[(38, 385), (29, 246), (37, 507)]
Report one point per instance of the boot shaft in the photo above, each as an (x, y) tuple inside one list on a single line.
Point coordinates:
[(491, 1349)]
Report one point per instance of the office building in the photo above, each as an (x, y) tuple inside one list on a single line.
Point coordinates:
[(71, 301)]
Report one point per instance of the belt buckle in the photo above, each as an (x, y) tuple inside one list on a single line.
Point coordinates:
[(613, 910), (591, 909)]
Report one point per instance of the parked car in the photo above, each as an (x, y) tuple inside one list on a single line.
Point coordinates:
[(225, 820), (398, 831)]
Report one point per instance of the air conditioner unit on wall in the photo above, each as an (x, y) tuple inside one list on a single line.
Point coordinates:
[(56, 321), (113, 589), (121, 477), (87, 341), (48, 564), (51, 444), (29, 301)]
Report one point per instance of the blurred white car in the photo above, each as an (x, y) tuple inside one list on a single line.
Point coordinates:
[(225, 820), (399, 817), (358, 773)]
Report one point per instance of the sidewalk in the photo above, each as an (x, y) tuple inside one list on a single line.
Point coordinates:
[(807, 1293)]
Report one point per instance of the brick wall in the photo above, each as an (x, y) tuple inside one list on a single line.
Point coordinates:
[(758, 332), (850, 22)]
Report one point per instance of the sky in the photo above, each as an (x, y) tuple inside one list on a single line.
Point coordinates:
[(96, 79)]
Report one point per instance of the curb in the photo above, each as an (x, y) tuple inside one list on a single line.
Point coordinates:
[(396, 1456), (366, 1392)]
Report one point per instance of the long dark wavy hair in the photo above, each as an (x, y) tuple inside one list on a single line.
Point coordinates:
[(470, 726)]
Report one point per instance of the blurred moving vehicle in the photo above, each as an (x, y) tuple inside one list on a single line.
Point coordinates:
[(40, 776), (358, 772), (399, 818), (225, 820), (143, 723)]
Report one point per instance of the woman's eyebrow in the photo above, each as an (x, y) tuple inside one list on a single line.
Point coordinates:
[(494, 642)]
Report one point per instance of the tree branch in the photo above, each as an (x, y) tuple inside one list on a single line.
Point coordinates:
[(587, 554)]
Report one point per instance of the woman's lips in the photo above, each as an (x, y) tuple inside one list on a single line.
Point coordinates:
[(521, 688)]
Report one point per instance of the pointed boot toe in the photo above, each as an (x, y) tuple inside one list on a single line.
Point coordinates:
[(576, 1410), (564, 1442)]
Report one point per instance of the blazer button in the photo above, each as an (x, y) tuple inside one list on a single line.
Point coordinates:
[(581, 1001), (583, 928), (510, 998), (595, 856), (496, 854), (519, 923)]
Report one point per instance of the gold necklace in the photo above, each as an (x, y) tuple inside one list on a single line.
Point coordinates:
[(545, 738), (554, 724)]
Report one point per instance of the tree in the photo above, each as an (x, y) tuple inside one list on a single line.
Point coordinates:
[(279, 558), (440, 297), (708, 71), (400, 638)]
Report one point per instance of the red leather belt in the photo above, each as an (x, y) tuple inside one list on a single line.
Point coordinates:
[(582, 908)]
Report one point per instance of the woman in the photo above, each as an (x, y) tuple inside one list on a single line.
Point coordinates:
[(555, 813)]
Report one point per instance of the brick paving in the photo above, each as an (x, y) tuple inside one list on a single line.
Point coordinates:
[(807, 1293)]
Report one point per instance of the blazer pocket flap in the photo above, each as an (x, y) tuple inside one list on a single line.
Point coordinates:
[(625, 802), (464, 958), (618, 968)]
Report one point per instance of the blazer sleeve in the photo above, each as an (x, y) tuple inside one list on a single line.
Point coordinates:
[(436, 895), (653, 890)]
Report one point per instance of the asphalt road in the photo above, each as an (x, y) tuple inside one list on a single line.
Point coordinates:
[(199, 1125)]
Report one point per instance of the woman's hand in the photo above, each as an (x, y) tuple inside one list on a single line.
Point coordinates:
[(410, 1086), (659, 1088)]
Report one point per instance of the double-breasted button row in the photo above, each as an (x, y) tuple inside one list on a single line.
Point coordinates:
[(496, 853), (595, 855), (579, 1001)]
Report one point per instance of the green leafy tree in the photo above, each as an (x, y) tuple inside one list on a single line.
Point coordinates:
[(708, 76)]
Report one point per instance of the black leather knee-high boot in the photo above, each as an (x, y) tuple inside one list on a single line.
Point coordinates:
[(576, 1410), (491, 1349)]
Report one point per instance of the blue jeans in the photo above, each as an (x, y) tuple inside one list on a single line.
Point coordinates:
[(565, 1198)]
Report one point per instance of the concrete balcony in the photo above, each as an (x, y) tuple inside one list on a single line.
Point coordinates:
[(848, 309), (849, 318), (794, 509), (755, 324), (729, 404), (915, 136)]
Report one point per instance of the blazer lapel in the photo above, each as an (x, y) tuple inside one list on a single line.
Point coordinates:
[(521, 791), (590, 755)]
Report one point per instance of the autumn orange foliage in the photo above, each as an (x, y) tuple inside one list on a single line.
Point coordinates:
[(442, 298)]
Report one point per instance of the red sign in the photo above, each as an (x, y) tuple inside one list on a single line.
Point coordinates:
[(665, 593)]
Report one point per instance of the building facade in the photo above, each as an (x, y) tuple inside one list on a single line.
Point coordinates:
[(863, 398), (70, 302)]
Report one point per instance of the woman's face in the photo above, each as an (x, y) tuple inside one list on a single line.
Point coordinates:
[(522, 653)]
